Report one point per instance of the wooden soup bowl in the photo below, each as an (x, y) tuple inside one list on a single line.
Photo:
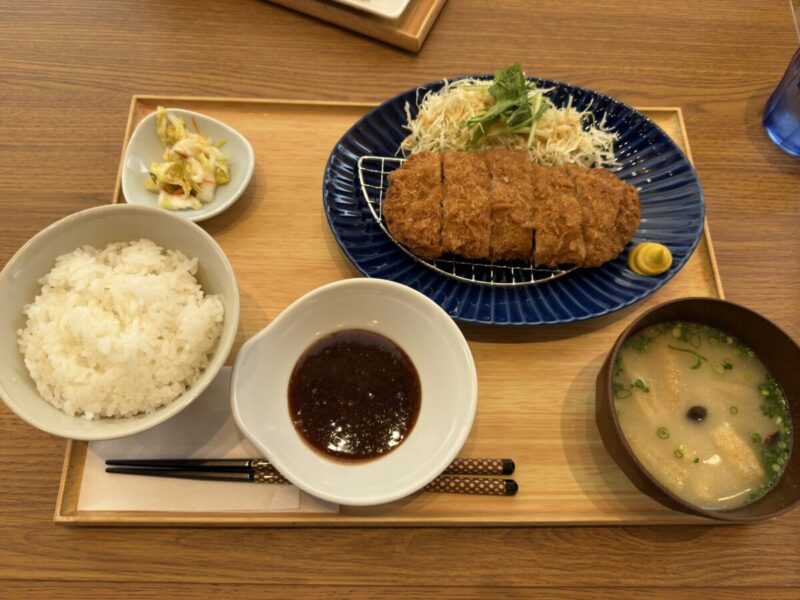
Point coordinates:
[(779, 353)]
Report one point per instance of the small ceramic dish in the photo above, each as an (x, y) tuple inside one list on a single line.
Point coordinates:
[(781, 356), (433, 342), (145, 148), (98, 227)]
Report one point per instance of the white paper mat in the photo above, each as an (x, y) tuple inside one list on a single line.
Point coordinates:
[(205, 429)]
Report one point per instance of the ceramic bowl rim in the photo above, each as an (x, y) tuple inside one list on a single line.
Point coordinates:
[(217, 361)]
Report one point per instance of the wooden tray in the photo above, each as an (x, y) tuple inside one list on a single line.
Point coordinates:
[(407, 31), (536, 401)]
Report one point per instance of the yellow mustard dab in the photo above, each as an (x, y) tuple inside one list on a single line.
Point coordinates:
[(649, 258)]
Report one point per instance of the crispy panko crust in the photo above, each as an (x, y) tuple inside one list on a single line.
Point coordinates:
[(559, 239), (494, 204), (630, 210), (600, 203), (413, 204), (466, 224), (511, 198)]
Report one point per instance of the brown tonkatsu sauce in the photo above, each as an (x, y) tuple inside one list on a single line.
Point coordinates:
[(354, 395)]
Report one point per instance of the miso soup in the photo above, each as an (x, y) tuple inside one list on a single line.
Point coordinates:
[(702, 414)]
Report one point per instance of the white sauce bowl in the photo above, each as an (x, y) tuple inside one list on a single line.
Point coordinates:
[(433, 342)]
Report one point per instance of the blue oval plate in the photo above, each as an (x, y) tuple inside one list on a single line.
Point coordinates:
[(672, 214)]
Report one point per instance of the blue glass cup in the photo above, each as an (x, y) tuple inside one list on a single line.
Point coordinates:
[(782, 111)]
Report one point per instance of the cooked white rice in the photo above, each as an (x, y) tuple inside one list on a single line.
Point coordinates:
[(119, 331)]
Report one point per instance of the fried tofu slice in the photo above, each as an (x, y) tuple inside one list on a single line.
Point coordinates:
[(511, 199), (667, 391), (737, 453), (413, 204), (466, 214), (557, 218)]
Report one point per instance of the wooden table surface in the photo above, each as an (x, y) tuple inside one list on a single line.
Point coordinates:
[(67, 71)]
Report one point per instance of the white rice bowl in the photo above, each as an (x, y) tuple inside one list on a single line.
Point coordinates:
[(119, 331)]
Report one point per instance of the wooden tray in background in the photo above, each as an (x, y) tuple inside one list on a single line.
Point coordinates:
[(407, 31), (536, 385)]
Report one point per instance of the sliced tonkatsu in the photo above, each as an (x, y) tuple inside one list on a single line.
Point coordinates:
[(466, 214), (559, 238), (599, 202), (413, 204), (511, 199), (497, 205), (630, 210)]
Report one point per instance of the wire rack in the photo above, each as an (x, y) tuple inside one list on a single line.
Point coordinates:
[(373, 176)]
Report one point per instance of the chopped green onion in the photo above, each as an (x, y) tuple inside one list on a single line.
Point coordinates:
[(717, 368), (699, 357), (663, 433), (639, 384), (734, 410), (618, 366), (678, 453), (756, 438), (620, 391), (676, 332), (696, 460)]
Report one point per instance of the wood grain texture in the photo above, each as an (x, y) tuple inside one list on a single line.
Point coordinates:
[(536, 398), (407, 31), (67, 72), (157, 591)]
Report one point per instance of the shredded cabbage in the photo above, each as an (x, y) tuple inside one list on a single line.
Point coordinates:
[(192, 166), (560, 136)]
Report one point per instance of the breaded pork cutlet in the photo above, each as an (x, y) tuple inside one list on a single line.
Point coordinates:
[(630, 210), (511, 198), (600, 202), (413, 204), (489, 205), (558, 218), (466, 215)]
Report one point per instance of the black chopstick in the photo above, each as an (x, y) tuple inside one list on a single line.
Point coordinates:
[(219, 475), (259, 470), (485, 486), (194, 464), (460, 466)]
